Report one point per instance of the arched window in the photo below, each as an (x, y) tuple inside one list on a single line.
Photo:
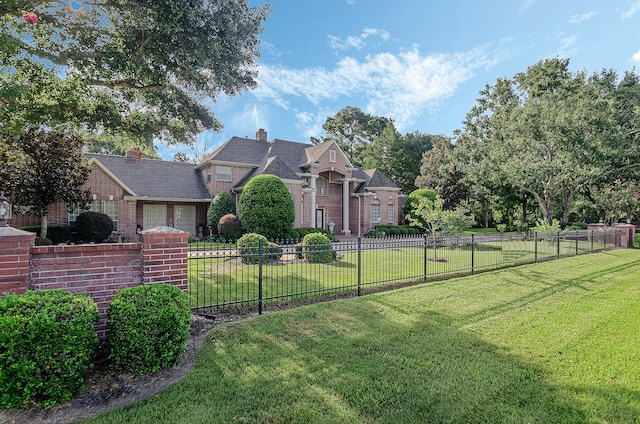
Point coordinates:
[(375, 212), (322, 187)]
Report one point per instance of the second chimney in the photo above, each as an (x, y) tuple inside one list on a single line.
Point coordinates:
[(261, 135)]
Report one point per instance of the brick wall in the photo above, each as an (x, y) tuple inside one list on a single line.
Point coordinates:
[(99, 270)]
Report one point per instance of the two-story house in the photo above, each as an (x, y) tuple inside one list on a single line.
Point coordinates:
[(328, 191)]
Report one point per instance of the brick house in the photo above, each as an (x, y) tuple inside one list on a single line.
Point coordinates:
[(328, 191)]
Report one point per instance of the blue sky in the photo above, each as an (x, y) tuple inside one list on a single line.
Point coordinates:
[(420, 62)]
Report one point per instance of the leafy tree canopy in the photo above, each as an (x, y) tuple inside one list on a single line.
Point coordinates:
[(398, 156), (353, 130), (49, 168), (138, 70), (552, 133)]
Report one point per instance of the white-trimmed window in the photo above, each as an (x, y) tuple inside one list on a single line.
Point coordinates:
[(223, 173), (209, 174), (95, 206), (332, 156), (111, 210), (322, 186), (375, 213), (72, 216), (184, 218), (154, 216), (390, 212)]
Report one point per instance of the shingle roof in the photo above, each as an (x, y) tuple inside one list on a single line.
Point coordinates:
[(156, 178), (241, 150), (372, 178)]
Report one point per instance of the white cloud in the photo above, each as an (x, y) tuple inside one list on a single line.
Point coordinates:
[(635, 7), (636, 56), (357, 42), (525, 6), (400, 86), (576, 19), (567, 48)]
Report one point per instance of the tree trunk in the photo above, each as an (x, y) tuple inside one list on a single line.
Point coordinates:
[(43, 226)]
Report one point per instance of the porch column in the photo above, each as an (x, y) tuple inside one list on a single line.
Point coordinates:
[(312, 212), (345, 206)]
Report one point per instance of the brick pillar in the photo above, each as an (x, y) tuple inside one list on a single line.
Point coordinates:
[(15, 259), (164, 256), (627, 231)]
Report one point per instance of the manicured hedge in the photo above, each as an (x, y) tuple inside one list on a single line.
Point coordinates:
[(47, 343), (148, 328), (317, 248)]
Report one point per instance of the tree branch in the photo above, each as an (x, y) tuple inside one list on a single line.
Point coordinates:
[(128, 83)]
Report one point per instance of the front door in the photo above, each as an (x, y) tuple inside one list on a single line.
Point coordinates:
[(319, 218)]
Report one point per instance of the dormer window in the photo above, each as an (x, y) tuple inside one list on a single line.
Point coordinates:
[(332, 156)]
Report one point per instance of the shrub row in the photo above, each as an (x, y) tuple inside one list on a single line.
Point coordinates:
[(392, 230), (48, 339)]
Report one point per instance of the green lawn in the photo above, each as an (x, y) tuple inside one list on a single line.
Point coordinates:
[(544, 343)]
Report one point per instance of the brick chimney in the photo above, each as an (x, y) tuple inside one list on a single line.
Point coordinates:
[(134, 154), (261, 135)]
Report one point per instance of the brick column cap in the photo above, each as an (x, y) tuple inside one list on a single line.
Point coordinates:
[(14, 232), (162, 230)]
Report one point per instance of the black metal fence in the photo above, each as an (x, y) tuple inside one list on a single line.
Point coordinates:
[(223, 277)]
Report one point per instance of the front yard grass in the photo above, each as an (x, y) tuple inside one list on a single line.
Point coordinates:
[(543, 343)]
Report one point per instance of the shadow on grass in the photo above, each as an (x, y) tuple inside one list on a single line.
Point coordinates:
[(362, 362)]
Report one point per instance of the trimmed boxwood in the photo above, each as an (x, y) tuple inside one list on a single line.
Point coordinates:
[(249, 248), (94, 226), (266, 207), (148, 328), (47, 343), (317, 248), (230, 227)]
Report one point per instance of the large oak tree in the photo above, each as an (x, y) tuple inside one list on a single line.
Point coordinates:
[(138, 70)]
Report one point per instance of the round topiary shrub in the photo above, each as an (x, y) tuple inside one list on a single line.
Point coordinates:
[(47, 343), (230, 227), (42, 241), (221, 205), (249, 247), (148, 328), (94, 226), (266, 207), (317, 248)]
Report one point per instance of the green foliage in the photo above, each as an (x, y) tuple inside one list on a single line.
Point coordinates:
[(431, 216), (636, 241), (43, 241), (353, 131), (101, 57), (266, 207), (55, 233), (250, 245), (221, 205), (307, 230), (398, 156), (317, 248), (47, 342), (148, 327), (544, 227), (413, 199), (552, 134), (94, 226), (51, 168), (230, 227), (439, 170)]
